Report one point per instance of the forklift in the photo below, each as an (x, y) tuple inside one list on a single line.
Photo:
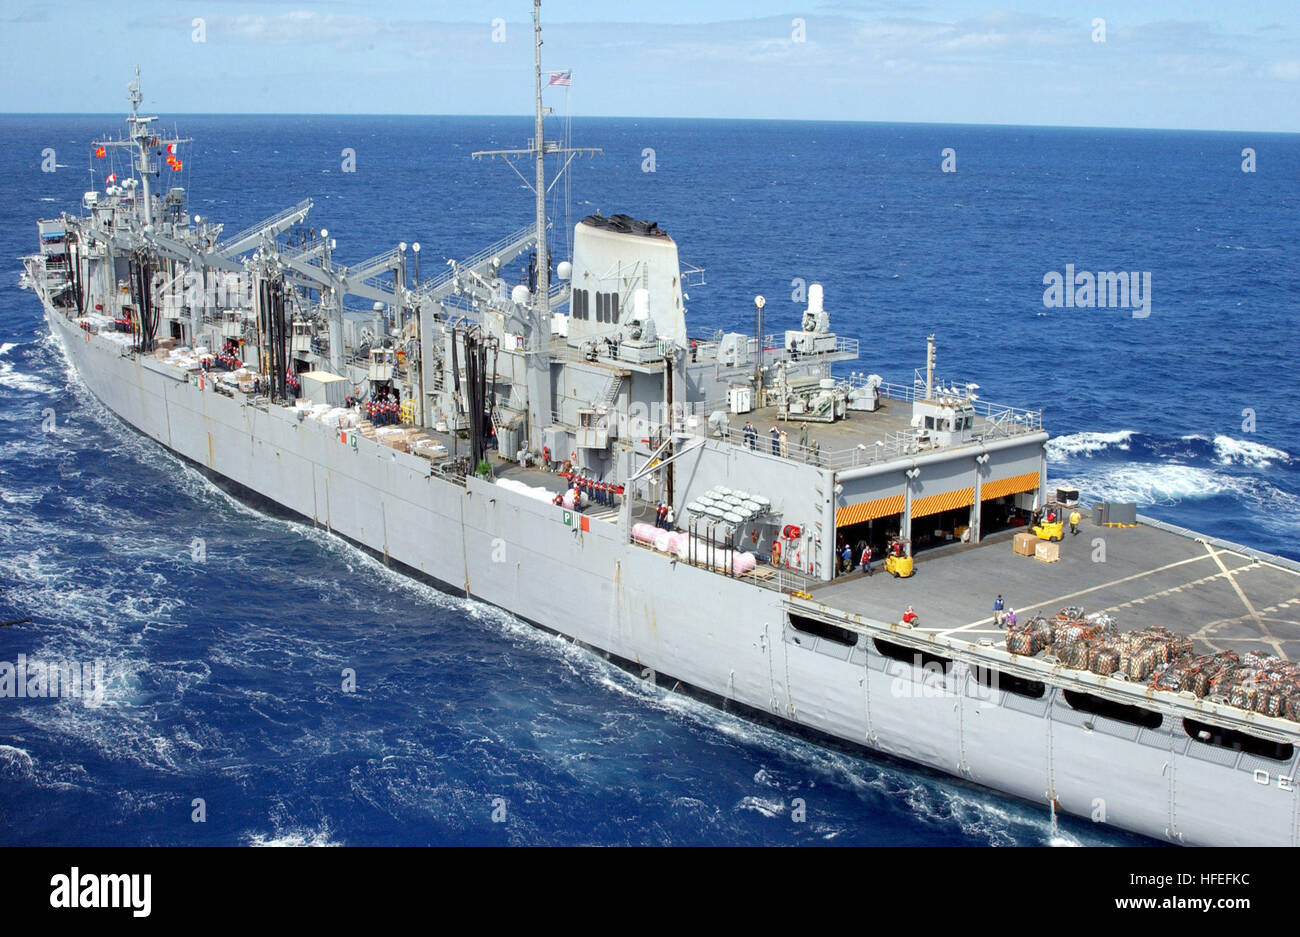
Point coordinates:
[(1051, 527), (898, 557)]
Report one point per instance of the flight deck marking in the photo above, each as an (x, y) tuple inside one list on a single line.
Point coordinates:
[(1206, 631), (1074, 595), (1259, 621)]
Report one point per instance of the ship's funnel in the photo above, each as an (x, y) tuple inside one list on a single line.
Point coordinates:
[(614, 259)]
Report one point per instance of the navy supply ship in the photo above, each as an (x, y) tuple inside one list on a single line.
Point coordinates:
[(703, 491)]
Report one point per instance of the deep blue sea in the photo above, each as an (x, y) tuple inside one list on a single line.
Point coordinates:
[(224, 675)]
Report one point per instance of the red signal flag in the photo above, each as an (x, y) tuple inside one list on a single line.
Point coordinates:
[(99, 153)]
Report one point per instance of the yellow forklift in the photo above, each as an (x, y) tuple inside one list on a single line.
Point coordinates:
[(898, 557), (1051, 527)]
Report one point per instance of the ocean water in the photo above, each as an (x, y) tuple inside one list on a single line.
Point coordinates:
[(223, 675)]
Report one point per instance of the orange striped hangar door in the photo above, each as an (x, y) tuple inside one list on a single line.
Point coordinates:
[(1009, 486), (868, 510), (948, 501)]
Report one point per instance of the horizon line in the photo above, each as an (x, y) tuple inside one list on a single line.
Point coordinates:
[(787, 120)]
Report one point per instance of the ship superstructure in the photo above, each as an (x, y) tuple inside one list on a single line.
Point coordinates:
[(701, 491)]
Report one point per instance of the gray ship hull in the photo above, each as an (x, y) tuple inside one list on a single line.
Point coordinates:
[(726, 637)]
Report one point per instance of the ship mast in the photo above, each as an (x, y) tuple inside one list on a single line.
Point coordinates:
[(540, 384), (542, 297), (141, 139)]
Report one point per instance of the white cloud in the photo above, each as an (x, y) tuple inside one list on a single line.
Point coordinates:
[(1285, 71)]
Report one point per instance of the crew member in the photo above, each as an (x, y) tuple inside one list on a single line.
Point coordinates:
[(1074, 521), (997, 611), (909, 616)]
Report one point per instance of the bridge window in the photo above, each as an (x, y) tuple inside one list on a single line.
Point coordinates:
[(1238, 741), (1121, 712)]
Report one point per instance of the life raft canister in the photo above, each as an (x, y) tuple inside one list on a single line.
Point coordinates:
[(791, 532)]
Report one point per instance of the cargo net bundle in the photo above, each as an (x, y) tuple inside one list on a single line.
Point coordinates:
[(1255, 682), (1261, 683)]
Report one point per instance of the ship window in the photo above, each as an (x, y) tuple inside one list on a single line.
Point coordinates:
[(996, 679), (911, 655), (613, 308), (929, 422), (1122, 712), (821, 629), (1238, 741)]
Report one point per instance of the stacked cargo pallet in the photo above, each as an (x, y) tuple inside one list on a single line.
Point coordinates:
[(425, 447), (397, 437)]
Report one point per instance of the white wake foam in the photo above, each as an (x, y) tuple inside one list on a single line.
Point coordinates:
[(292, 837), (1061, 448), (17, 380), (1230, 451), (1170, 484)]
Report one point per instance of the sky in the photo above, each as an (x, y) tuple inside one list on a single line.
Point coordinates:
[(1162, 64)]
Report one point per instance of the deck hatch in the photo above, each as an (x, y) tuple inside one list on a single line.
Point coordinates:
[(1122, 712), (910, 655), (987, 676), (820, 629), (1235, 741)]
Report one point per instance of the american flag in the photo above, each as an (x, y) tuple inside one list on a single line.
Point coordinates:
[(564, 78)]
